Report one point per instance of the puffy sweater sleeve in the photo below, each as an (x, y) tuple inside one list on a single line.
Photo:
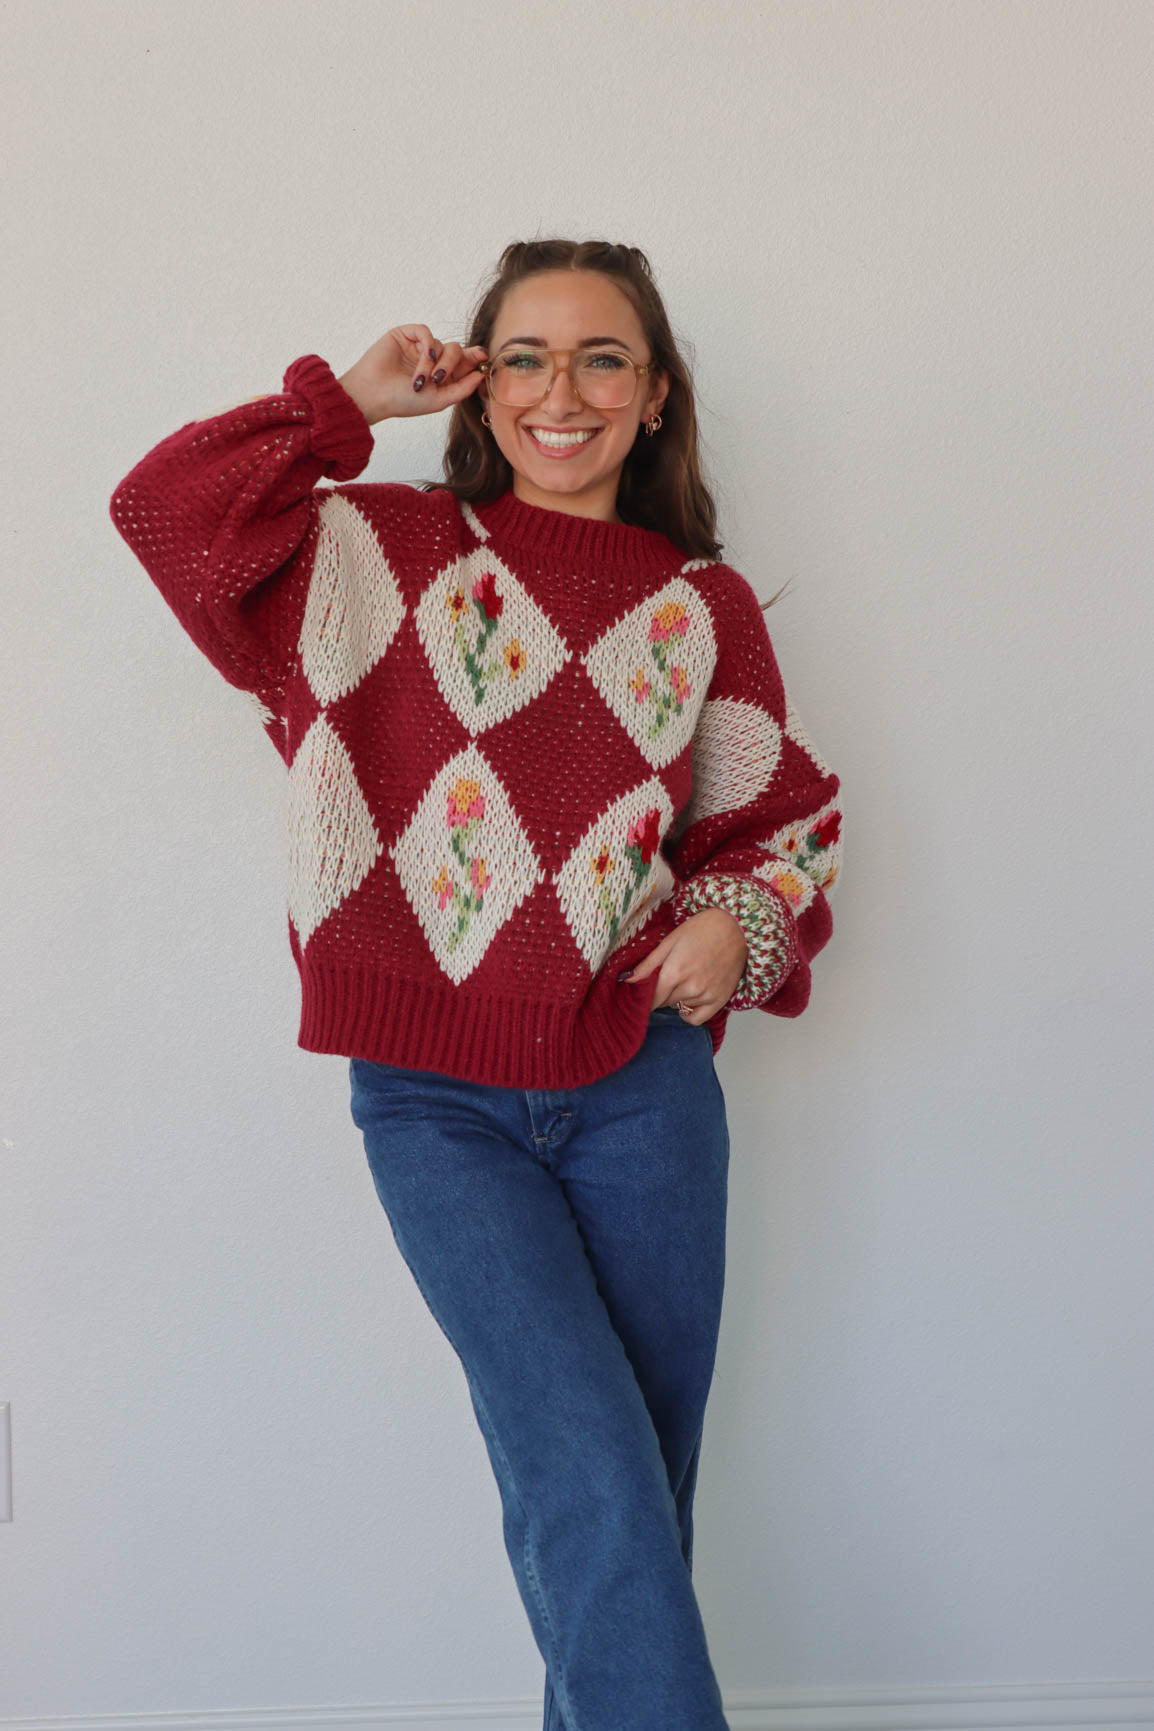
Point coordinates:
[(761, 834), (217, 512)]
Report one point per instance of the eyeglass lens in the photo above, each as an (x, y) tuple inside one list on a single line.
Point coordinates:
[(520, 377)]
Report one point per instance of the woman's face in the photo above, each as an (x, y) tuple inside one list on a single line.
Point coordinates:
[(560, 309)]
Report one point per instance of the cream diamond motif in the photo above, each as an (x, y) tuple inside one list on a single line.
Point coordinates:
[(490, 646), (736, 750), (354, 607), (465, 862), (795, 729), (332, 840), (617, 874), (653, 669)]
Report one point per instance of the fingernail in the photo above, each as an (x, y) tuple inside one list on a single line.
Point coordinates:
[(626, 976), (432, 354), (418, 381), (438, 375)]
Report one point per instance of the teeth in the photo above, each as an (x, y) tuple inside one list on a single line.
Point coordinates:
[(550, 438)]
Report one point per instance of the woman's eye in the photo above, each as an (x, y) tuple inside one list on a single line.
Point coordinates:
[(606, 363), (521, 363)]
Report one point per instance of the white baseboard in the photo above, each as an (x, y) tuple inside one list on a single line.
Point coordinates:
[(960, 1707)]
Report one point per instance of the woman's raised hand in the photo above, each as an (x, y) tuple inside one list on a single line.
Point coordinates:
[(409, 372)]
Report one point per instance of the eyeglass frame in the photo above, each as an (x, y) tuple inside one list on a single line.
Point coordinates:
[(640, 368)]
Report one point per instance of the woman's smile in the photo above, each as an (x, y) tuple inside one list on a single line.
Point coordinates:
[(561, 442)]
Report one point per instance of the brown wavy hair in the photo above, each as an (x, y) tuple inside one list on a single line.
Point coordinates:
[(662, 485)]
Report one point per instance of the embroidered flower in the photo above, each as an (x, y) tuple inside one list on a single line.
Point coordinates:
[(486, 596), (669, 620), (644, 833), (466, 801), (488, 607), (791, 884), (465, 809), (827, 831), (442, 886), (641, 840), (671, 686), (602, 864)]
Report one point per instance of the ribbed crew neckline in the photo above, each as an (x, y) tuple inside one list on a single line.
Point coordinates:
[(580, 539)]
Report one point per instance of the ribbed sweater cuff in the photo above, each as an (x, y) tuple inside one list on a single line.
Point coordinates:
[(769, 928), (340, 433)]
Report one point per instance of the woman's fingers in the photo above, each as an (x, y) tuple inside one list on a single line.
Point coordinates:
[(455, 374), (428, 350)]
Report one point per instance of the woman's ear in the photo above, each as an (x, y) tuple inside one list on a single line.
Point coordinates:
[(658, 391)]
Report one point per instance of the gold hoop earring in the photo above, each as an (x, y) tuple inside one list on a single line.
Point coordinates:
[(651, 426), (486, 421)]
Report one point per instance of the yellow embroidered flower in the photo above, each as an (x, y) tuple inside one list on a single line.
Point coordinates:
[(465, 801), (514, 657), (791, 885), (443, 885), (639, 685), (456, 604), (668, 619), (602, 864)]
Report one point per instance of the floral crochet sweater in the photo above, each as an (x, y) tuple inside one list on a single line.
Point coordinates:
[(521, 745)]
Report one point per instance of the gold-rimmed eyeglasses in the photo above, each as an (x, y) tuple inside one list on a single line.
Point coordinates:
[(520, 378)]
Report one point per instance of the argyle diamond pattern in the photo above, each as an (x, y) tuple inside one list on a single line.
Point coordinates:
[(653, 668), (616, 874), (465, 861), (354, 607), (490, 646), (332, 839)]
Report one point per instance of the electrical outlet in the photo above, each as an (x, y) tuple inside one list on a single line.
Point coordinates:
[(5, 1461)]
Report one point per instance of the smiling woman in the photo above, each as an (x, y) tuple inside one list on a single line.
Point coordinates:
[(565, 406), (552, 818)]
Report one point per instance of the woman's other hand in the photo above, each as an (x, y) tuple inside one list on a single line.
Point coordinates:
[(409, 371), (701, 962)]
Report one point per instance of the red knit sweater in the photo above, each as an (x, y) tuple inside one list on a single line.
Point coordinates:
[(521, 745)]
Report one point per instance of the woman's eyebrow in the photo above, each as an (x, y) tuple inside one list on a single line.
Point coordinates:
[(585, 343)]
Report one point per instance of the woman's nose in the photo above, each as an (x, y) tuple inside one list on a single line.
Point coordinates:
[(561, 397)]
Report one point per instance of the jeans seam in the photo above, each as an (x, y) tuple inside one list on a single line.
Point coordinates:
[(560, 1687)]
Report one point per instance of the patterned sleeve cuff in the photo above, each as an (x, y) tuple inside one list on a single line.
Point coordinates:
[(340, 432), (768, 925)]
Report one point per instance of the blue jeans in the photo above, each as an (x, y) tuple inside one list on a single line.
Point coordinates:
[(570, 1244)]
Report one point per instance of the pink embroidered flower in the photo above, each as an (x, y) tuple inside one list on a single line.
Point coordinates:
[(644, 833), (481, 878), (639, 685), (465, 801), (680, 683), (485, 592)]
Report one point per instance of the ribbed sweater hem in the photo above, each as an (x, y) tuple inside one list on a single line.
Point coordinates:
[(506, 1041)]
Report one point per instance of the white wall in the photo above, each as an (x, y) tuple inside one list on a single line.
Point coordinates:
[(911, 245)]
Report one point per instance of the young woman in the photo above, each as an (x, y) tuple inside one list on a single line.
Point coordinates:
[(551, 818)]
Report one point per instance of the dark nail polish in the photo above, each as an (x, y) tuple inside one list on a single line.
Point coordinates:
[(418, 381), (438, 375), (432, 354)]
